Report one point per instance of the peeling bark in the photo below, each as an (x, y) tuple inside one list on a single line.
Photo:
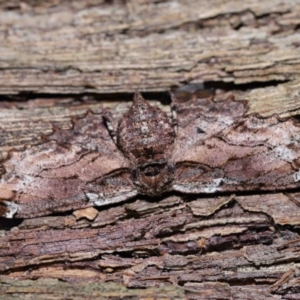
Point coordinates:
[(224, 246)]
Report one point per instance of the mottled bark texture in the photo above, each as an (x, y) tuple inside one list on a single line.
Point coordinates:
[(59, 59)]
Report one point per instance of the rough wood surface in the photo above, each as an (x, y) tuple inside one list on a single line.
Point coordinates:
[(238, 243), (152, 45), (244, 246), (55, 289)]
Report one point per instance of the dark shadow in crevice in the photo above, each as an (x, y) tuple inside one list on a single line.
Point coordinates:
[(84, 98), (230, 86), (8, 224), (204, 89)]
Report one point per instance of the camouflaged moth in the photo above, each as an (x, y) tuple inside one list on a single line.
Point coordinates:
[(206, 147)]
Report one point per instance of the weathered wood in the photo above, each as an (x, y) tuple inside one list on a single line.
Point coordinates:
[(224, 246), (191, 241), (54, 289), (76, 48), (143, 244)]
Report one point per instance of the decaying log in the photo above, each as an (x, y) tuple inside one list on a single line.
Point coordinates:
[(238, 243), (63, 57)]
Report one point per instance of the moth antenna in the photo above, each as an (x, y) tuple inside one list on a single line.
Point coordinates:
[(108, 122), (174, 111)]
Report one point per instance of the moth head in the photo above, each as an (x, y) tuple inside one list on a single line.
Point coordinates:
[(153, 179)]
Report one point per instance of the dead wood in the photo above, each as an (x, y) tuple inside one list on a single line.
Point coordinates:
[(218, 247), (66, 47)]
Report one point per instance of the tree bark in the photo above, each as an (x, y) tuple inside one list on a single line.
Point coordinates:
[(62, 58)]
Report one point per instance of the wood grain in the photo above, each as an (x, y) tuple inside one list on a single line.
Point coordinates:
[(150, 46), (58, 58)]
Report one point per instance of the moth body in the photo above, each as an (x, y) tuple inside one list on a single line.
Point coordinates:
[(146, 136)]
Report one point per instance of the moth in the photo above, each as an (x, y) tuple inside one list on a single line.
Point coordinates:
[(206, 147)]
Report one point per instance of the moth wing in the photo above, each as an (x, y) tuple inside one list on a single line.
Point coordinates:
[(247, 153), (72, 169)]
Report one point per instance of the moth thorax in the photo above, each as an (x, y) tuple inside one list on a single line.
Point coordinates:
[(145, 133)]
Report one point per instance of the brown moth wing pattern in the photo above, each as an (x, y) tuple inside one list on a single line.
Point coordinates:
[(218, 148), (72, 169), (215, 147)]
